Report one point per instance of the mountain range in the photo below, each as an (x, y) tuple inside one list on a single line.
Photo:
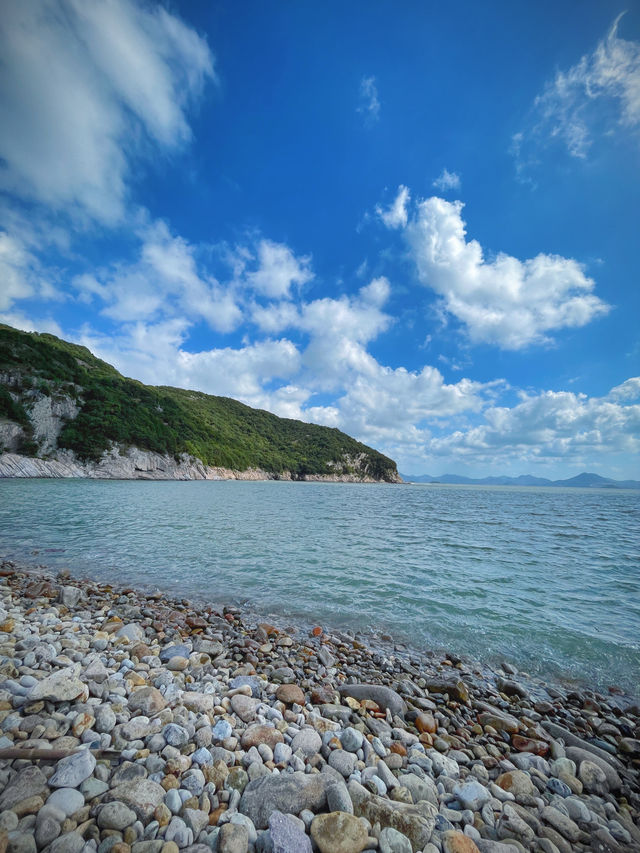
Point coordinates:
[(581, 481)]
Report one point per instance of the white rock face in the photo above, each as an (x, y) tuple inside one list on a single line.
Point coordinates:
[(136, 464), (48, 416)]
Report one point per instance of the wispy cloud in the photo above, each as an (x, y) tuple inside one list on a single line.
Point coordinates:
[(447, 181), (369, 101), (86, 90), (396, 215), (598, 96)]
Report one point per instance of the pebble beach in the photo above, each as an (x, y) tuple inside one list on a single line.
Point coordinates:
[(135, 723)]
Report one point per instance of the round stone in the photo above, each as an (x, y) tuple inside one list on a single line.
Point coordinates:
[(290, 694), (116, 816), (338, 832), (351, 739)]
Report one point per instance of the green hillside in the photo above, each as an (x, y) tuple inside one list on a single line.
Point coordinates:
[(218, 430)]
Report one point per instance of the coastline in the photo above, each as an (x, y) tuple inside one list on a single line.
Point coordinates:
[(136, 464), (462, 726)]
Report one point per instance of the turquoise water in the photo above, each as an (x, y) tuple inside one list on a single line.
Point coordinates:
[(546, 578)]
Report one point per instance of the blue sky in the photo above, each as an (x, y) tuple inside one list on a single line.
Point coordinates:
[(416, 224)]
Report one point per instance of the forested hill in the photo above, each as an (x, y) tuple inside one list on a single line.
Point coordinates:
[(45, 381)]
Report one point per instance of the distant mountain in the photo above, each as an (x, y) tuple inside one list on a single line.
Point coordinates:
[(582, 481)]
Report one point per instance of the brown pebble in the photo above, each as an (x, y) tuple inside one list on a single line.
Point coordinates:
[(290, 694)]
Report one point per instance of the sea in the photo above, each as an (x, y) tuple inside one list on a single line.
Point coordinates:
[(547, 579)]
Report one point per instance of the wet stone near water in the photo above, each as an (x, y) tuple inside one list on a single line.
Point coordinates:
[(183, 729)]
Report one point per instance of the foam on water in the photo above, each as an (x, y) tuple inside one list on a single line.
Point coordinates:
[(548, 578)]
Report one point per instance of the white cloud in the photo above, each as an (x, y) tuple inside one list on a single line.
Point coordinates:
[(369, 101), (551, 426), (21, 276), (447, 181), (278, 270), (84, 87), (164, 282), (629, 390), (396, 215), (507, 302), (595, 95)]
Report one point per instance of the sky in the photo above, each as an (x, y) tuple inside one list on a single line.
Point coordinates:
[(415, 223)]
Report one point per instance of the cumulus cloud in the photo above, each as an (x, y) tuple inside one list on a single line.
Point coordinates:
[(278, 269), (447, 181), (598, 94), (369, 101), (163, 283), (396, 215), (84, 88), (551, 426), (503, 301)]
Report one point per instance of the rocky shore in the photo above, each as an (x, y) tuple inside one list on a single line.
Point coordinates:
[(131, 723), (134, 464)]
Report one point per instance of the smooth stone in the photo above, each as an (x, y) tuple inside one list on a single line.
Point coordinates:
[(199, 703), (342, 761), (47, 829), (141, 795), (282, 753), (286, 834), (338, 799), (578, 755), (417, 822), (73, 770), (421, 790), (115, 816), (290, 694), (471, 795), (233, 838), (70, 842), (593, 778), (222, 730), (22, 842), (457, 842), (384, 697), (175, 735), (560, 822), (168, 652), (30, 782), (338, 832), (259, 733), (256, 684), (105, 719), (61, 686), (132, 632), (244, 707), (351, 739), (307, 740), (289, 793), (66, 800), (392, 841), (147, 700), (572, 741), (518, 783)]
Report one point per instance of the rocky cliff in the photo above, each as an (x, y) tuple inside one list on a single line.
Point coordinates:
[(136, 464), (66, 413)]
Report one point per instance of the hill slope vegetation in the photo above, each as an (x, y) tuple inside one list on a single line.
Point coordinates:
[(108, 409)]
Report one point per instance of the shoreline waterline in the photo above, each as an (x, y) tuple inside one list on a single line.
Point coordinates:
[(155, 724), (376, 641)]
